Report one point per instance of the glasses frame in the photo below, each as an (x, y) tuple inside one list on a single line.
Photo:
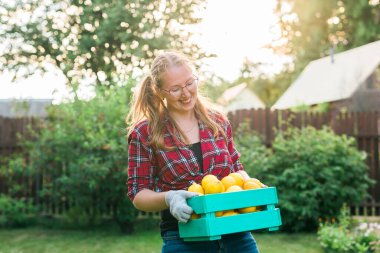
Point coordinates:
[(196, 79)]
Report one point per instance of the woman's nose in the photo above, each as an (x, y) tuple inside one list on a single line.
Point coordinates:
[(185, 91)]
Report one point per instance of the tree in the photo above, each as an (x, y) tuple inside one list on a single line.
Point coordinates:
[(98, 39), (213, 87), (267, 87), (309, 30), (361, 21)]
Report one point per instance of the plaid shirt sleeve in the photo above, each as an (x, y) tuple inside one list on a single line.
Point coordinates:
[(235, 155), (141, 162)]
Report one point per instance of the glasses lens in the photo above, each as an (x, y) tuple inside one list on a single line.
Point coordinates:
[(192, 84), (177, 92)]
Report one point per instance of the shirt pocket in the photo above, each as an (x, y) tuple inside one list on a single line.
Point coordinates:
[(221, 162), (176, 169), (221, 166)]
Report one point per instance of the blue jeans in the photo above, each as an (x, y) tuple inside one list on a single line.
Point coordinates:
[(230, 243)]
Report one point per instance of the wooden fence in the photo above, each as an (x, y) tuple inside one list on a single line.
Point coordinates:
[(9, 130), (363, 126)]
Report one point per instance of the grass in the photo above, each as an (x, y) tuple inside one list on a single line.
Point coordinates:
[(145, 240), (36, 240), (287, 243)]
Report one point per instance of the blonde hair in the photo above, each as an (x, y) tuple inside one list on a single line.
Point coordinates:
[(149, 105)]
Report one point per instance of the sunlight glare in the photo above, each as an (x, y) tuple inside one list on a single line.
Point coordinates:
[(234, 30)]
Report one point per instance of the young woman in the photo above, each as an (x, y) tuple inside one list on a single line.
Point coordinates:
[(175, 138)]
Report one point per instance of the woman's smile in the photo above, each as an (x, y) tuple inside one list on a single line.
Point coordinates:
[(186, 101)]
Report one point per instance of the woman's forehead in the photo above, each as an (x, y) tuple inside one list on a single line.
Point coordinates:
[(176, 75)]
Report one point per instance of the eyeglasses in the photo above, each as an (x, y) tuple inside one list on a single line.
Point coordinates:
[(177, 90)]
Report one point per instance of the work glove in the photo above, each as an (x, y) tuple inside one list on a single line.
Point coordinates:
[(176, 201)]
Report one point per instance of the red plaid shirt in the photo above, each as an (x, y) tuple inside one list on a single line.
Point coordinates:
[(161, 170)]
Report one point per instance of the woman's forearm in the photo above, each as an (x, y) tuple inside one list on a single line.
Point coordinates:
[(149, 201)]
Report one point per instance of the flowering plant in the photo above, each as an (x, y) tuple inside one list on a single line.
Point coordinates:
[(346, 237)]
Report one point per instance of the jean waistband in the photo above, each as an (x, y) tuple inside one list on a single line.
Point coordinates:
[(170, 233)]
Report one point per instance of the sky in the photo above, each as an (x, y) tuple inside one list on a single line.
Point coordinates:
[(233, 30)]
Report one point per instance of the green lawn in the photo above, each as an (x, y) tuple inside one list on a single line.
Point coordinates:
[(41, 240)]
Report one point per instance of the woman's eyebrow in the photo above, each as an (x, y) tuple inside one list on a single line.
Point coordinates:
[(185, 82)]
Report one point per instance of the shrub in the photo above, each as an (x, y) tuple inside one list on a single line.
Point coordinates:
[(315, 172), (82, 152), (16, 209), (15, 213), (13, 172), (253, 154)]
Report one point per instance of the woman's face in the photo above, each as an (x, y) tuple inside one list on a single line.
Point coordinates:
[(179, 87)]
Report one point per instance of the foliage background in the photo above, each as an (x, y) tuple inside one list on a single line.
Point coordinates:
[(81, 152)]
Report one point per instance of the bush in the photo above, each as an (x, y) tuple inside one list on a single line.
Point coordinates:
[(16, 209), (15, 213), (82, 153), (253, 154), (315, 172), (342, 237), (13, 172)]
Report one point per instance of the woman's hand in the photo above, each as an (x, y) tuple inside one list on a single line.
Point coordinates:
[(176, 201)]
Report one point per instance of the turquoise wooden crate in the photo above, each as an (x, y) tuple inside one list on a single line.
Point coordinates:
[(209, 227)]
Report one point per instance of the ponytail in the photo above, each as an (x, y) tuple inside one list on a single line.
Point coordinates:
[(147, 105), (138, 109)]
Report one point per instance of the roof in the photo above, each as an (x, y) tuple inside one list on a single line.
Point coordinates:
[(231, 93), (240, 97), (325, 81), (14, 108)]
